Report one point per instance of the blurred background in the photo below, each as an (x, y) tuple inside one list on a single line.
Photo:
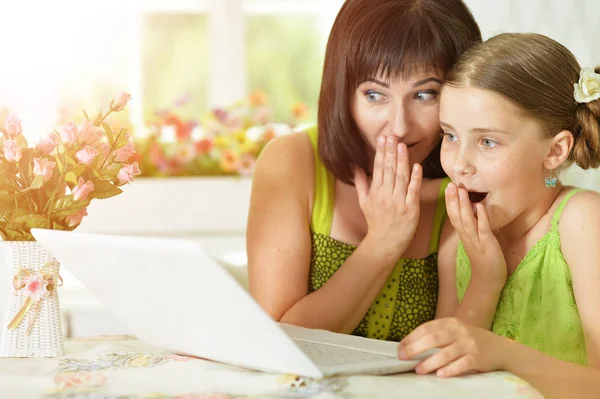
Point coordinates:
[(212, 82)]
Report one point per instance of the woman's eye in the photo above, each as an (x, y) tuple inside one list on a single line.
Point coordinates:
[(425, 95), (489, 143), (373, 96)]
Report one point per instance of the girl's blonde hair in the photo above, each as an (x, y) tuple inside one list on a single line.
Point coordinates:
[(537, 74)]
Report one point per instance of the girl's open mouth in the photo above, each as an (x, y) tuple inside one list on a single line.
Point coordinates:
[(476, 197)]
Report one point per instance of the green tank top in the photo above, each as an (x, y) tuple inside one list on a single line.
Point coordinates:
[(537, 304), (409, 296)]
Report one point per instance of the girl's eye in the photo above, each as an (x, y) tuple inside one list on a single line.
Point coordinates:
[(425, 95), (373, 96), (489, 143), (450, 137)]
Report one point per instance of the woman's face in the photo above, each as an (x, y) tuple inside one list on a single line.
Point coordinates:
[(406, 109)]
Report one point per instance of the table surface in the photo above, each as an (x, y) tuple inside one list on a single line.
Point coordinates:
[(123, 367)]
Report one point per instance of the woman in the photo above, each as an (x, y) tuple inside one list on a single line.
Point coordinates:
[(343, 232)]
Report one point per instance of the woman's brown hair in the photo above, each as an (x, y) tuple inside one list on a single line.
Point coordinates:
[(538, 74), (396, 38)]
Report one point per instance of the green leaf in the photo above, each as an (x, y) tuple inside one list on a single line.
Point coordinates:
[(105, 189), (71, 210), (85, 114), (109, 133), (36, 183), (71, 177), (7, 203), (98, 118)]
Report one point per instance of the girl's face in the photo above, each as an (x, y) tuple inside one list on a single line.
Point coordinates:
[(494, 150), (406, 109)]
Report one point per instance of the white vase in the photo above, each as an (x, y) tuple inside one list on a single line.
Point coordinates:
[(39, 332)]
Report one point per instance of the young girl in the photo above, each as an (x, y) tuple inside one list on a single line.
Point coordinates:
[(324, 253), (516, 110)]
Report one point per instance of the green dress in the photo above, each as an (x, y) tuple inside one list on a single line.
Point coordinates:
[(409, 296), (537, 305)]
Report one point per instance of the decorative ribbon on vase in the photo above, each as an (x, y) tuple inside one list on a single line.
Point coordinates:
[(36, 286)]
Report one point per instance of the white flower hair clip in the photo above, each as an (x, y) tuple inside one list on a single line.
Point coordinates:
[(588, 87)]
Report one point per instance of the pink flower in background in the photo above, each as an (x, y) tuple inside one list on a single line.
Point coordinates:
[(185, 153), (128, 172), (68, 134), (120, 103), (12, 151), (12, 125), (246, 165), (43, 167), (88, 134), (48, 144), (104, 149), (82, 189), (75, 219), (124, 153), (86, 155)]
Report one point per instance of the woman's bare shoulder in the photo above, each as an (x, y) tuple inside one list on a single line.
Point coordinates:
[(287, 160)]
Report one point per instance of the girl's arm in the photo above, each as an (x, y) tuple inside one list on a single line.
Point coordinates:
[(466, 348), (488, 269)]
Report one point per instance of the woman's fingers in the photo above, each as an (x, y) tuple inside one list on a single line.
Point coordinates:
[(389, 165), (413, 195), (378, 163), (402, 172)]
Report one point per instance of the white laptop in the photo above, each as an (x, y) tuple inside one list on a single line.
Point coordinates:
[(173, 295)]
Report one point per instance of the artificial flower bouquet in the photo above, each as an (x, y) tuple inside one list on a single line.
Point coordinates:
[(224, 141), (51, 184)]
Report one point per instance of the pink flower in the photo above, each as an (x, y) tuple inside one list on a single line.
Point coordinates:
[(86, 155), (12, 152), (124, 153), (35, 287), (88, 134), (75, 219), (12, 125), (43, 167), (185, 153), (48, 144), (68, 133), (246, 165), (82, 189), (79, 379), (120, 103), (128, 172)]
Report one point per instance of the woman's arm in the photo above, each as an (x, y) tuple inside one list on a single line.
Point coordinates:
[(279, 247)]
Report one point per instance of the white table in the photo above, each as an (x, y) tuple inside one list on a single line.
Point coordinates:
[(121, 367)]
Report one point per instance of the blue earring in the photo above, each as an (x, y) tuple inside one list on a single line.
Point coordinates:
[(550, 180)]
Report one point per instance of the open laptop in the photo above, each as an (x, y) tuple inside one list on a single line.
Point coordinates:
[(173, 295)]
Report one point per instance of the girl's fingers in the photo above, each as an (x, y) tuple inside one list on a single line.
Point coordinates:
[(435, 339), (442, 358), (413, 195), (453, 207), (389, 165), (378, 163), (467, 217), (483, 222), (461, 366)]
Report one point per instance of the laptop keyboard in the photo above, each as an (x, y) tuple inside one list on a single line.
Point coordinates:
[(330, 355)]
